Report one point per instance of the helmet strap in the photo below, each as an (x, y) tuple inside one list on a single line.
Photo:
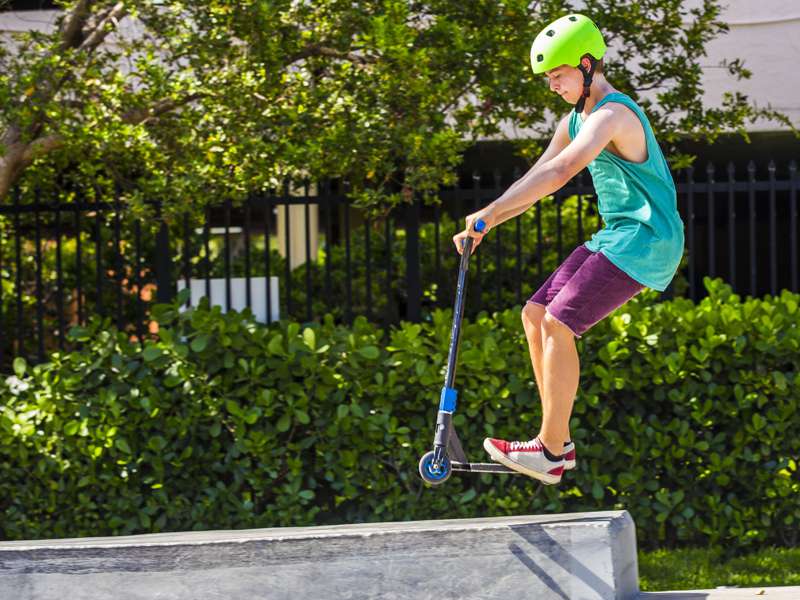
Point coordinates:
[(587, 82)]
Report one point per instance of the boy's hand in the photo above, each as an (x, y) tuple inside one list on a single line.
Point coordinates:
[(487, 216)]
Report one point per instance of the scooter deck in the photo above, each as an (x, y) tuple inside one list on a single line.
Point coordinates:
[(459, 462), (482, 468)]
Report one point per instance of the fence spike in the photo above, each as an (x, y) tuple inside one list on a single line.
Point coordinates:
[(731, 171), (497, 178)]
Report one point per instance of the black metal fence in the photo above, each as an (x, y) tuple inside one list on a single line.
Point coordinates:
[(61, 262)]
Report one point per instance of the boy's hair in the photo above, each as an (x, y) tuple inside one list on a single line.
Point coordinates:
[(599, 68)]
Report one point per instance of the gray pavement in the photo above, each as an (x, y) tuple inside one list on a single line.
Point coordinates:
[(767, 593)]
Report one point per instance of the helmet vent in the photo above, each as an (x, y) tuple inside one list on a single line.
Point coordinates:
[(550, 32), (573, 18), (539, 57)]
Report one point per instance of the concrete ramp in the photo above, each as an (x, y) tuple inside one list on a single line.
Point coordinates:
[(564, 557)]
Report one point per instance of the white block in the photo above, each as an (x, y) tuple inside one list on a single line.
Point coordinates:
[(258, 295)]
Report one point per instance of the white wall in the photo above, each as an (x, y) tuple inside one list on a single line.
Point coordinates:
[(765, 34), (28, 20)]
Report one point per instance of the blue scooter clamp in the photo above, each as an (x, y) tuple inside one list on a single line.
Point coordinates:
[(448, 400)]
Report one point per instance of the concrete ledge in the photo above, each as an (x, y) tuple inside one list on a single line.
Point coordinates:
[(569, 557)]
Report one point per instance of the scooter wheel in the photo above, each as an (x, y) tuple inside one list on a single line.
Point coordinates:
[(432, 475)]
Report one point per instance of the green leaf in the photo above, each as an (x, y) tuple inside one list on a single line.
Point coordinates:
[(71, 428), (310, 338), (780, 380), (156, 443), (183, 296), (251, 418), (151, 353), (233, 408), (597, 491), (275, 345), (283, 423), (200, 343), (468, 495), (165, 335), (122, 445), (19, 366), (370, 352)]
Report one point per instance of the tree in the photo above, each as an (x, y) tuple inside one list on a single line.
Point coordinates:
[(193, 101)]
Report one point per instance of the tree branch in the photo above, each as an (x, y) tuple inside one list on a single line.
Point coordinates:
[(320, 50), (19, 155), (72, 26), (40, 147), (100, 30), (140, 115)]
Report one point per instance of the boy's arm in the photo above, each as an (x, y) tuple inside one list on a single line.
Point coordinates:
[(559, 141), (551, 173)]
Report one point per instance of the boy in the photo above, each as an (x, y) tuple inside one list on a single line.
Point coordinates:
[(640, 245)]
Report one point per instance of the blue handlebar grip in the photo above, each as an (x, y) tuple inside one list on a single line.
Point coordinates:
[(479, 225)]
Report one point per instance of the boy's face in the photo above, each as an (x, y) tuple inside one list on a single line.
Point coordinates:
[(567, 82)]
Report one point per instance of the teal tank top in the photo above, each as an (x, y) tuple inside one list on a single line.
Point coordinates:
[(643, 232)]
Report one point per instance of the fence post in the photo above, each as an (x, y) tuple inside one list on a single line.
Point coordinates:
[(164, 288), (413, 283)]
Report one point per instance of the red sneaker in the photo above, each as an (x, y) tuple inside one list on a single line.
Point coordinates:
[(525, 457)]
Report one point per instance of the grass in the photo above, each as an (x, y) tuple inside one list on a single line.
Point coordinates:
[(702, 568)]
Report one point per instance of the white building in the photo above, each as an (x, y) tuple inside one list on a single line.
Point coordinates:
[(766, 36)]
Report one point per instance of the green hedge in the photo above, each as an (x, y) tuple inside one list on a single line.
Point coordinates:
[(687, 416)]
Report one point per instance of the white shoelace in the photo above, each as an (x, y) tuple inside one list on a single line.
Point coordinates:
[(529, 445)]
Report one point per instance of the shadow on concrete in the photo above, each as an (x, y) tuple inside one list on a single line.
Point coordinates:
[(537, 570), (544, 542)]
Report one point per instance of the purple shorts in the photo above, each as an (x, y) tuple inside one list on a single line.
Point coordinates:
[(585, 289)]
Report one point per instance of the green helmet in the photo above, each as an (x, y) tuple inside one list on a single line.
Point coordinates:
[(564, 42)]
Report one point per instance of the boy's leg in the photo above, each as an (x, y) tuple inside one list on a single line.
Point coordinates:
[(596, 289), (581, 292), (534, 311), (561, 369), (533, 315)]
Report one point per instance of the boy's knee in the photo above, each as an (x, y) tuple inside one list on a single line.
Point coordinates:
[(552, 326), (532, 315)]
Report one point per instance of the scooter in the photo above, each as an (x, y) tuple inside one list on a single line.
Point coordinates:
[(447, 455)]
